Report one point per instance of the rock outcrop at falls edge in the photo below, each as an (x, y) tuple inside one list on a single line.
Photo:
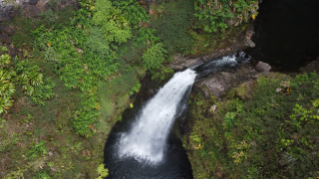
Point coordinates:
[(217, 84), (243, 42)]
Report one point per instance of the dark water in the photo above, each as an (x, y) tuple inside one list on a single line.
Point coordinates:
[(286, 33), (175, 164)]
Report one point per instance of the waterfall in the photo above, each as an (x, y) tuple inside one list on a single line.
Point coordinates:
[(147, 137)]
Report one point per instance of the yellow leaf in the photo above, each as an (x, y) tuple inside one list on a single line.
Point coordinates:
[(131, 105), (253, 16)]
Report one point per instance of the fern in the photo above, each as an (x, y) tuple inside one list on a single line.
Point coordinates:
[(154, 56), (43, 92), (103, 172), (97, 44)]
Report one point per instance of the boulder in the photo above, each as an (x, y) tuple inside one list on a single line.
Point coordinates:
[(263, 67), (4, 17), (6, 30), (180, 62), (32, 2), (5, 39), (216, 84), (244, 90), (219, 83), (32, 10), (250, 43), (12, 51), (12, 14)]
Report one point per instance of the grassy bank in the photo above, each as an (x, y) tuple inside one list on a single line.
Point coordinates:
[(268, 129)]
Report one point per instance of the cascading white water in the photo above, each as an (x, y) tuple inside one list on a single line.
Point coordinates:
[(146, 140)]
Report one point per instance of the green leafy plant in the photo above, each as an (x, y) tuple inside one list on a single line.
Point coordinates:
[(43, 92), (43, 175), (135, 88), (147, 35), (103, 172), (29, 77), (49, 16), (215, 15), (154, 56), (7, 88), (37, 150)]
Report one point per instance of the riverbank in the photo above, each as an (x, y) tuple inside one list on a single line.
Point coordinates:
[(261, 124)]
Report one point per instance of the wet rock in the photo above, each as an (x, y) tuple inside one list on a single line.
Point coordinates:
[(4, 17), (32, 10), (11, 51), (11, 14), (220, 83), (6, 30), (43, 5), (180, 62), (32, 2), (5, 39), (263, 67), (217, 84), (250, 43)]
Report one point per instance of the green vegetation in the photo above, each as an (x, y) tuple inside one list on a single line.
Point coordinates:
[(24, 25), (102, 171), (172, 21), (268, 135), (77, 72), (219, 15), (154, 56), (25, 75), (85, 59)]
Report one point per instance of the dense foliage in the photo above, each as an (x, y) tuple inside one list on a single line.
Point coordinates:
[(29, 77), (215, 15), (172, 21), (85, 51), (272, 134)]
